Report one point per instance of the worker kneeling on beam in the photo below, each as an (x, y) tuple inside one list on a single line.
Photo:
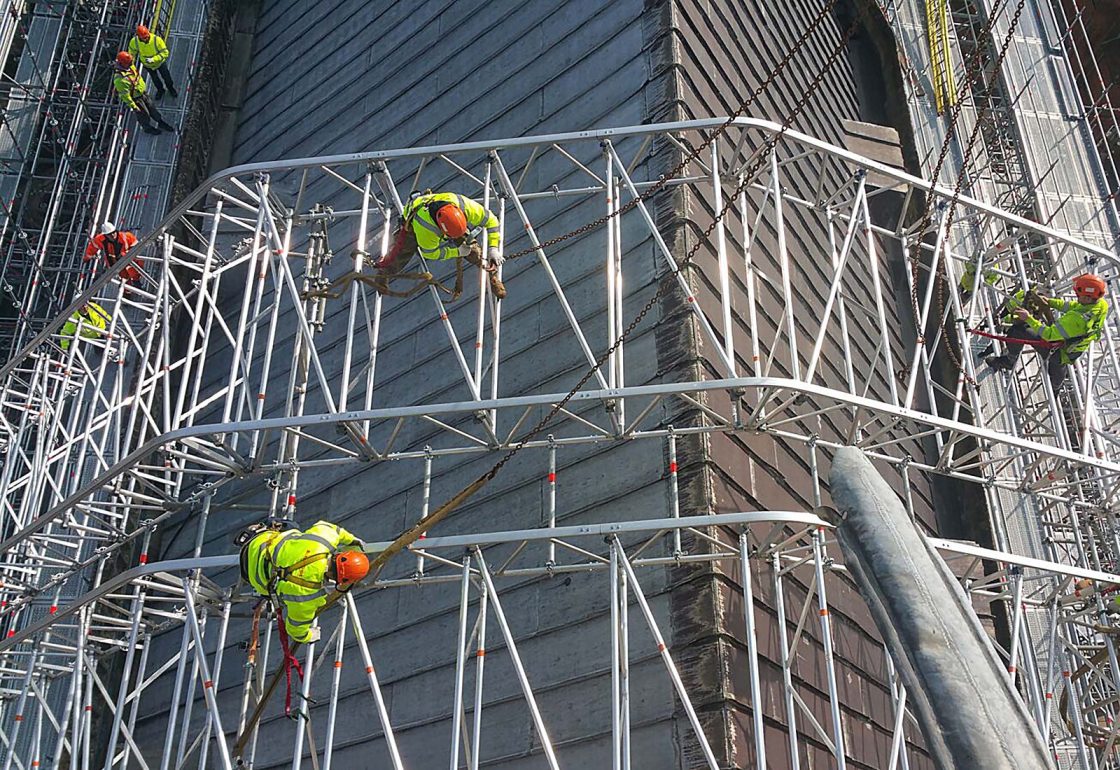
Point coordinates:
[(442, 226), (1061, 340), (294, 569)]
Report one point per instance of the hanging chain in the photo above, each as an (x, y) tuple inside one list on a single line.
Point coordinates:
[(941, 275)]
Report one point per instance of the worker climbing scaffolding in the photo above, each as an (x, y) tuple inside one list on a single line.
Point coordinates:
[(300, 573), (1060, 340), (437, 226), (89, 322), (294, 569), (111, 244)]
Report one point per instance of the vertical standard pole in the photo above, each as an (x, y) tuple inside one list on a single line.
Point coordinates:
[(551, 496), (220, 649), (721, 250), (122, 691), (624, 664), (752, 659), (483, 285), (207, 682), (355, 292), (671, 667), (616, 698), (479, 670), (519, 669), (332, 711), (826, 643), (460, 663), (783, 259), (304, 708), (425, 502), (612, 324), (898, 695), (674, 491), (374, 686), (787, 675), (180, 668)]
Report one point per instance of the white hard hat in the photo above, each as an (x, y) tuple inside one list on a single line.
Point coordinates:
[(107, 228)]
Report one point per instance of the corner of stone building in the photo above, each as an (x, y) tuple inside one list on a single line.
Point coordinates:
[(696, 619)]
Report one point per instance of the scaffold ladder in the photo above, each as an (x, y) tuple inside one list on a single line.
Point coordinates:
[(941, 59)]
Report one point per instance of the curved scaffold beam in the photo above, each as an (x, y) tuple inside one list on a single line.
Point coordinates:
[(960, 694)]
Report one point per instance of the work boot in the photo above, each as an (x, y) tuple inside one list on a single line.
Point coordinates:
[(150, 130), (999, 363), (174, 93)]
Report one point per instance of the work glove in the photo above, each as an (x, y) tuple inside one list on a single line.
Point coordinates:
[(465, 248), (495, 254), (312, 635)]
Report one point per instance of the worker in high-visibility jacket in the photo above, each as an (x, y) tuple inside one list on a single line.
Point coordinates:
[(298, 570), (151, 50), (133, 92), (112, 244), (445, 226), (1080, 324), (89, 321)]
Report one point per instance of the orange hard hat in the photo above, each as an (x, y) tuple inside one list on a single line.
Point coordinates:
[(1089, 286), (451, 220), (124, 60), (142, 32), (350, 567)]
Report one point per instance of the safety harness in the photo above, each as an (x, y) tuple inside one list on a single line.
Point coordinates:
[(277, 575)]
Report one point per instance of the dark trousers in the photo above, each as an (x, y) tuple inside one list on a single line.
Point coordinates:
[(148, 115), (1055, 369), (161, 79)]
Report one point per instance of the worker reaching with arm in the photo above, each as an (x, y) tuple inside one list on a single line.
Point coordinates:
[(443, 226), (132, 90), (298, 570), (112, 244), (151, 50), (1063, 340)]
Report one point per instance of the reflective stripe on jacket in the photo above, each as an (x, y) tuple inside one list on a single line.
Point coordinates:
[(130, 86), (151, 54), (94, 319), (430, 241), (304, 594)]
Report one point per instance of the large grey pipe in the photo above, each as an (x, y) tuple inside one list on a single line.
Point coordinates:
[(971, 716)]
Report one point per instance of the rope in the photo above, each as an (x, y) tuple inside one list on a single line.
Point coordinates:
[(290, 662)]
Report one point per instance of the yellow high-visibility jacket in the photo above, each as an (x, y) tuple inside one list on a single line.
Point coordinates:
[(1078, 326), (94, 320), (130, 86), (968, 277), (429, 239), (307, 554), (151, 54)]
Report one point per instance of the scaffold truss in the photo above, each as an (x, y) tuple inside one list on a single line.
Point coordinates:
[(194, 398)]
